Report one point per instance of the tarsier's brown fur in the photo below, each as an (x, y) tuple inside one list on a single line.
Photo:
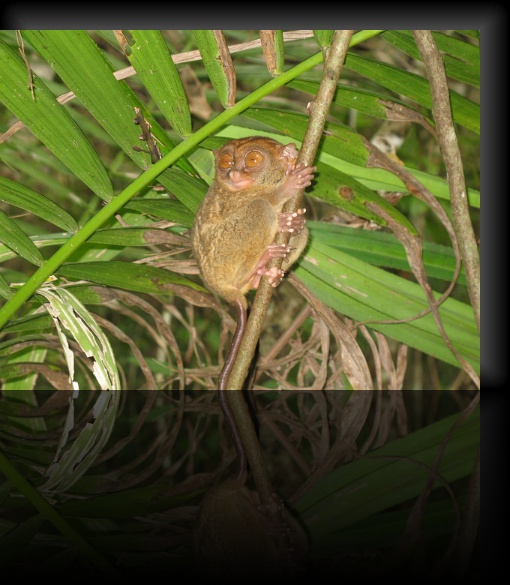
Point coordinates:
[(238, 220)]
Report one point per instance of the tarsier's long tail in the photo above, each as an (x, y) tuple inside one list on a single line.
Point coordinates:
[(242, 317)]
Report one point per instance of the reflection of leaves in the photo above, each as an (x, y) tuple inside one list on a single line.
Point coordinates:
[(333, 456), (382, 479), (68, 467)]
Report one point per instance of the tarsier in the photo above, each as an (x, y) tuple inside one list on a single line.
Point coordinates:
[(239, 218)]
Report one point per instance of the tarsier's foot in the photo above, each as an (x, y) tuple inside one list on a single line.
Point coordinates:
[(274, 274), (272, 251), (291, 222)]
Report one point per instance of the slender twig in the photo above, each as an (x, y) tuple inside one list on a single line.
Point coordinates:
[(441, 110)]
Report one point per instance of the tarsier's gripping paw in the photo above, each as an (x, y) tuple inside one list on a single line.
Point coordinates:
[(291, 222), (272, 251), (274, 275), (278, 251), (299, 176)]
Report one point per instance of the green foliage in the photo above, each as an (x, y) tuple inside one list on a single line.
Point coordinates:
[(139, 243)]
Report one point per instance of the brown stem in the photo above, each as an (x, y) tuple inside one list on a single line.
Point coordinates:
[(441, 110)]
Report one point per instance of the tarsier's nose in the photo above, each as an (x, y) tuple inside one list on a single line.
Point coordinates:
[(240, 179)]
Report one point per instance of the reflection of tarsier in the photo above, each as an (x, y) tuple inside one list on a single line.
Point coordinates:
[(236, 537), (239, 218)]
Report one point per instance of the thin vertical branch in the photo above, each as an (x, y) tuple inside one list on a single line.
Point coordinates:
[(318, 112), (441, 110)]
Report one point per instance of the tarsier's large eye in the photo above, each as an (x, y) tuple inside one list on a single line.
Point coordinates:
[(253, 158), (226, 161)]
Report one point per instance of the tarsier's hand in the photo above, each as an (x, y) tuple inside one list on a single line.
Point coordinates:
[(298, 177)]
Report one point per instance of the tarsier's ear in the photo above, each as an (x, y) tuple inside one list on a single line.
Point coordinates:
[(290, 152)]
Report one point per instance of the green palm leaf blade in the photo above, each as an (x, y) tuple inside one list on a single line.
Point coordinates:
[(85, 69), (461, 59), (50, 122), (367, 293), (218, 64), (415, 87), (127, 276), (323, 37), (17, 194), (16, 239), (153, 63)]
